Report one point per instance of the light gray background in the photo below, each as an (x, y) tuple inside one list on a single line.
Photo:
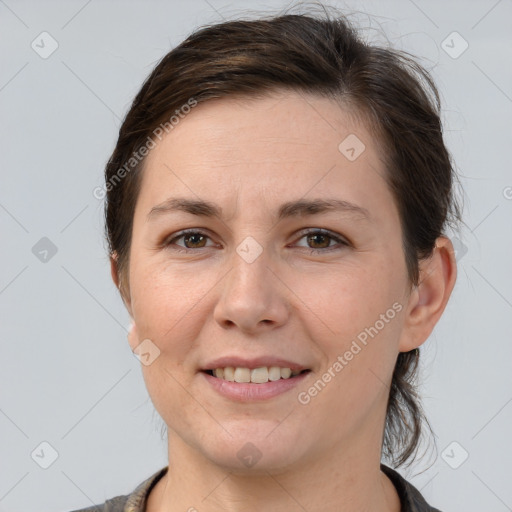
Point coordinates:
[(68, 377)]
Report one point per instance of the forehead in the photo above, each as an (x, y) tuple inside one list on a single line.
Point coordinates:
[(277, 121), (286, 144)]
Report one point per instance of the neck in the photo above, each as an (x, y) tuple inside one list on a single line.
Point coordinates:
[(340, 483)]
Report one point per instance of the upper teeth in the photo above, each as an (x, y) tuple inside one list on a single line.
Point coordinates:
[(257, 375)]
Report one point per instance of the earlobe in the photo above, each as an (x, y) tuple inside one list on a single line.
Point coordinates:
[(132, 336), (118, 281), (113, 269), (428, 300)]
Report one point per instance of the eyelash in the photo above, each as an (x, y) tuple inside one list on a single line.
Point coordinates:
[(323, 232)]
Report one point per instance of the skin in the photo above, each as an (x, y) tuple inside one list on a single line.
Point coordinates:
[(249, 157)]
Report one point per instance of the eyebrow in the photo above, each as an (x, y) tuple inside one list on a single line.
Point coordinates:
[(289, 209)]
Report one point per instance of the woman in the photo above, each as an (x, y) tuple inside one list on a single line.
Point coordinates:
[(276, 211)]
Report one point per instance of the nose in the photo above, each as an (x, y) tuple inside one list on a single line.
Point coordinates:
[(253, 296)]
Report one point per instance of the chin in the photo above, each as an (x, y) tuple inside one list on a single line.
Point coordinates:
[(254, 451)]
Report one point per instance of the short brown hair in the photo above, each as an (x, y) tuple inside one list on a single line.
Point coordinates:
[(323, 54)]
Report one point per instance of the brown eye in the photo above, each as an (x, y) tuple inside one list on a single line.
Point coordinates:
[(192, 239), (196, 239), (320, 241)]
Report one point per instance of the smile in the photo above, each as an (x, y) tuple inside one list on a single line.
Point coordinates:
[(245, 390), (260, 375)]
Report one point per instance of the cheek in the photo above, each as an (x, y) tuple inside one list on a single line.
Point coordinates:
[(359, 320), (349, 298), (167, 309), (162, 296)]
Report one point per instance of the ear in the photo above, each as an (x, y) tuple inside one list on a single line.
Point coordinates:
[(118, 281), (132, 336), (428, 300)]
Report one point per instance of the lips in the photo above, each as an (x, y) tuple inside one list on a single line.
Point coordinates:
[(250, 391)]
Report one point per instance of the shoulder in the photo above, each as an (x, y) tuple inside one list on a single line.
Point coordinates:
[(133, 502), (116, 504), (410, 498)]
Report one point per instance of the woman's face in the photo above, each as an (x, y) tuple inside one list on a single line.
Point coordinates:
[(269, 289)]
